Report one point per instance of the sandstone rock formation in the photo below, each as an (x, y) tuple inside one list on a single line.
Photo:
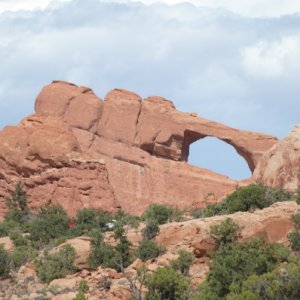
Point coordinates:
[(80, 151), (273, 223), (280, 166)]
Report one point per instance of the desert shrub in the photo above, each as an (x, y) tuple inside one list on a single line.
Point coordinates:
[(7, 226), (294, 236), (124, 253), (151, 229), (249, 198), (233, 263), (83, 286), (167, 284), (85, 221), (21, 255), (226, 232), (183, 262), (281, 283), (51, 222), (177, 215), (197, 213), (82, 289), (158, 212), (18, 239), (80, 296), (23, 250), (297, 196), (18, 212), (87, 218), (123, 219), (60, 240), (294, 239), (57, 265), (104, 218), (4, 262), (102, 254), (213, 210), (273, 195), (148, 249)]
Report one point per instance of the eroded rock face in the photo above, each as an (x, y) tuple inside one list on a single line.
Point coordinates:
[(273, 223), (79, 151), (280, 166)]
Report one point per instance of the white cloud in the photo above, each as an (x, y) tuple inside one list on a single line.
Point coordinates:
[(236, 70), (15, 5), (273, 59), (250, 8)]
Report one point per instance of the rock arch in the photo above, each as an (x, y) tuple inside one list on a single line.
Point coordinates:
[(121, 152), (191, 137)]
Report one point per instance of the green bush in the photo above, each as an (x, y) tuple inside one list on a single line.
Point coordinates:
[(104, 218), (212, 210), (233, 263), (82, 289), (21, 255), (281, 283), (80, 296), (7, 226), (123, 219), (57, 265), (226, 232), (124, 252), (87, 218), (18, 212), (151, 229), (294, 239), (17, 199), (183, 262), (177, 215), (51, 222), (18, 239), (83, 286), (249, 198), (298, 195), (149, 249), (197, 213), (294, 236), (159, 212), (102, 254), (4, 262), (167, 284)]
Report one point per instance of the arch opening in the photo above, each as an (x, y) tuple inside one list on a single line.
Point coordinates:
[(218, 156)]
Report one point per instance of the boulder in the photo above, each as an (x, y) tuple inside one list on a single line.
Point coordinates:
[(280, 166), (82, 246)]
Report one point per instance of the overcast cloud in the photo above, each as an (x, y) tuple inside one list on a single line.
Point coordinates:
[(228, 64)]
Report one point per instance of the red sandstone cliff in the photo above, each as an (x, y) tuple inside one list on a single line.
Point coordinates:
[(79, 151)]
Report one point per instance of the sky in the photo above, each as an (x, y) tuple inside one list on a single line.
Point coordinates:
[(235, 62)]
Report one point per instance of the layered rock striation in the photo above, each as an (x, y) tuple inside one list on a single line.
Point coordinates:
[(123, 152)]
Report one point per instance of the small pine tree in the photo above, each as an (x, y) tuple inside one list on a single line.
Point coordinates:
[(17, 199)]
